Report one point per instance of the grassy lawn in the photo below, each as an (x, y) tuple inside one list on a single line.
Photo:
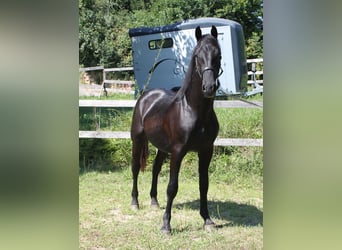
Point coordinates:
[(107, 222), (235, 193)]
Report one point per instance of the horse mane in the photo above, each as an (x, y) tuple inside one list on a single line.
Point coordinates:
[(187, 81)]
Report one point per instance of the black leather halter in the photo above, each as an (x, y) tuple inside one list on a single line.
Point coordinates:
[(200, 73)]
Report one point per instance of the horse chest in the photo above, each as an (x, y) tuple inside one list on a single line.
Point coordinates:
[(202, 131), (202, 136)]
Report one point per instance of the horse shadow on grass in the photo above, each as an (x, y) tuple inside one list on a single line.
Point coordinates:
[(233, 213)]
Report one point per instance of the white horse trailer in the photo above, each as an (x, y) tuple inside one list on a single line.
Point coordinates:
[(161, 54)]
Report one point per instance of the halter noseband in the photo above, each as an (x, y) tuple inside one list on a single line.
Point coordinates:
[(207, 68)]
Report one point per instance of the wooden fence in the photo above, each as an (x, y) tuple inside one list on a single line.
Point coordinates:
[(131, 104), (258, 73), (129, 84)]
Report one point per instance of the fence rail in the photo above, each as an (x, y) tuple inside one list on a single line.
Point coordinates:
[(92, 68), (126, 135), (259, 72), (131, 104), (130, 83)]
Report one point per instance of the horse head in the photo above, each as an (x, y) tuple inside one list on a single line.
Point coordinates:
[(208, 61)]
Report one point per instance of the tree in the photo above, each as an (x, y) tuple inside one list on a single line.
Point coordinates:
[(104, 24), (249, 14), (97, 33)]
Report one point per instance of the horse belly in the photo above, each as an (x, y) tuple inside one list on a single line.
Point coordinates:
[(157, 136), (161, 143)]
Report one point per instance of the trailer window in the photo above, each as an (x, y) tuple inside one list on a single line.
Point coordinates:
[(160, 43)]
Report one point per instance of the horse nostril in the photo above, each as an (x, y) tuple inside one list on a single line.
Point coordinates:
[(203, 88)]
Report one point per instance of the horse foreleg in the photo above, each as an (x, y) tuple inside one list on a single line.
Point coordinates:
[(204, 161), (158, 162), (172, 189)]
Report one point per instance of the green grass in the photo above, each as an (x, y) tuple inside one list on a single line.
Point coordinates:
[(234, 123), (112, 119), (107, 222), (235, 193), (109, 154), (240, 122)]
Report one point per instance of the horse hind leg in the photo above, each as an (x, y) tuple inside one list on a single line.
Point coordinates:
[(139, 155), (158, 162)]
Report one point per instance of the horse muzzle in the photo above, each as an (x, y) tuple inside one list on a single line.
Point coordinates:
[(210, 83), (209, 89)]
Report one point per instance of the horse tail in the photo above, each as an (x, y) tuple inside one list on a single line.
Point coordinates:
[(144, 155)]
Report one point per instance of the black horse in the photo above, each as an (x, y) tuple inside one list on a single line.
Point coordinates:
[(178, 122)]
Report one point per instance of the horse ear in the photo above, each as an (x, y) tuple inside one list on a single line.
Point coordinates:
[(198, 33), (214, 31)]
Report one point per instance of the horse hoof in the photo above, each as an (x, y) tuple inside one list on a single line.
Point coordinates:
[(210, 227), (166, 231), (154, 206), (135, 207)]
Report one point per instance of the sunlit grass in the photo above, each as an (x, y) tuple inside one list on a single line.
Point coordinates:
[(235, 193), (106, 220)]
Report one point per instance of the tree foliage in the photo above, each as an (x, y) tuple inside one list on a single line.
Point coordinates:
[(104, 24)]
